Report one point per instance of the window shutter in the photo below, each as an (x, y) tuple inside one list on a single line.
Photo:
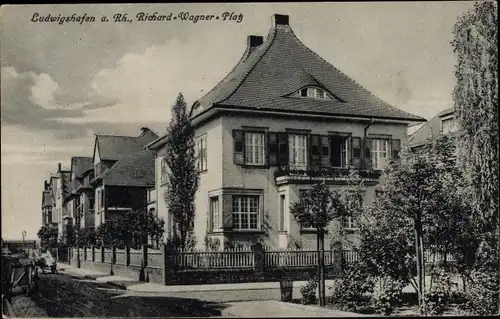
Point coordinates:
[(325, 150), (367, 145), (227, 212), (239, 147), (282, 148), (396, 148), (272, 148), (356, 151), (315, 150)]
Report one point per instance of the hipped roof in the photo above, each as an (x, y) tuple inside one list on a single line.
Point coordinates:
[(265, 77)]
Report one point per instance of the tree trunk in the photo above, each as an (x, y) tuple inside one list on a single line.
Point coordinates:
[(322, 268), (419, 263), (318, 253)]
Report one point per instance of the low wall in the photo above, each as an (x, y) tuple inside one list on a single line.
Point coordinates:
[(232, 276)]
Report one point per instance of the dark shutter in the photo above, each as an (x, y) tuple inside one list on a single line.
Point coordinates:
[(282, 148), (315, 150), (272, 148), (367, 145), (325, 151), (396, 148), (238, 141)]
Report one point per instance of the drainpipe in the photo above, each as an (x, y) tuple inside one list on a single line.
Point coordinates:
[(364, 139), (368, 126)]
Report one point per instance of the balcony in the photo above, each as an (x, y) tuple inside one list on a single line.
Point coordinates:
[(334, 175)]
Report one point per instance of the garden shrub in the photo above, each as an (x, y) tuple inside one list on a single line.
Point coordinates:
[(438, 298), (388, 297), (482, 294), (349, 289), (308, 292)]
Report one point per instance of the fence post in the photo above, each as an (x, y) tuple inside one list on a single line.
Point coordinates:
[(92, 251), (85, 253), (168, 267), (258, 258), (102, 254), (69, 256), (127, 256), (145, 255), (113, 254)]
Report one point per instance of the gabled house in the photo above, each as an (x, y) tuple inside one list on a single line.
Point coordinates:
[(444, 123), (281, 120), (123, 173), (80, 197), (62, 191)]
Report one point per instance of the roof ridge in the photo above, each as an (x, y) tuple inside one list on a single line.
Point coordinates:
[(345, 75), (242, 59), (272, 33)]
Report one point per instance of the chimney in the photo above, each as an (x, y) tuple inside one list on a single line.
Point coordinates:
[(280, 19), (254, 41), (59, 167), (144, 130)]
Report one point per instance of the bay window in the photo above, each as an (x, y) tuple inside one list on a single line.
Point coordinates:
[(245, 212)]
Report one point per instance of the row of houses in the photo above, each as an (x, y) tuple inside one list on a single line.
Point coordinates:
[(281, 120)]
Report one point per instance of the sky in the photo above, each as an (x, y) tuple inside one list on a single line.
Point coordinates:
[(63, 83)]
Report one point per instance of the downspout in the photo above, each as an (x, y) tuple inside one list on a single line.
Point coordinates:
[(363, 164)]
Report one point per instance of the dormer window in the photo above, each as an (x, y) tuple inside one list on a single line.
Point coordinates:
[(313, 93), (449, 125)]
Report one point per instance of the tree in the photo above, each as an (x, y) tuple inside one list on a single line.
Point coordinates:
[(155, 228), (319, 206), (475, 97), (182, 175), (128, 230), (419, 206), (48, 237)]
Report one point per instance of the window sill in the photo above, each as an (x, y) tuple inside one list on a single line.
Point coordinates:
[(202, 171), (235, 231), (254, 165)]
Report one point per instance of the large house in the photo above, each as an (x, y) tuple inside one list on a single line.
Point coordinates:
[(79, 201), (48, 204), (444, 123), (281, 120), (123, 174)]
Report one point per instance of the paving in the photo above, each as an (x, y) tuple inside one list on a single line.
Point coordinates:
[(273, 308)]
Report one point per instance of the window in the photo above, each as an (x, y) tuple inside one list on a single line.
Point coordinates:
[(215, 213), (245, 212), (97, 169), (349, 222), (49, 215), (449, 126), (163, 171), (312, 92), (341, 151), (254, 148), (202, 153), (302, 198), (298, 151), (282, 213), (379, 153)]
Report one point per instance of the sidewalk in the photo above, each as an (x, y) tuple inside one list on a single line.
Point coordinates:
[(273, 308), (82, 273)]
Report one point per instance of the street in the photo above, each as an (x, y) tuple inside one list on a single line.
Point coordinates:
[(63, 296)]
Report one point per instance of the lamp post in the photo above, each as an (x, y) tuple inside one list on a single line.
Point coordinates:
[(24, 235)]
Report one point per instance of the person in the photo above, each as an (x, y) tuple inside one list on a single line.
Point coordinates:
[(47, 260)]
